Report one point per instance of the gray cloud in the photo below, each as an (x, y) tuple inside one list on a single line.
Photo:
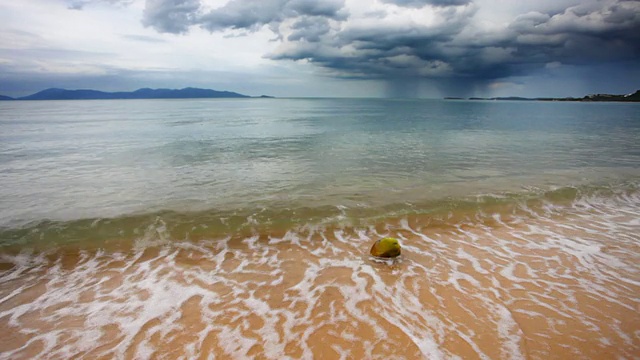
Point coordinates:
[(422, 3), (80, 4), (143, 38), (175, 16), (310, 29), (171, 16), (446, 42), (328, 8), (583, 34), (593, 33), (450, 47)]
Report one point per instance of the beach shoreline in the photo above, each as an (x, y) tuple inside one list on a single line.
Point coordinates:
[(557, 280)]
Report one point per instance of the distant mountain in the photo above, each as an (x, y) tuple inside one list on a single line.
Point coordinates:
[(607, 97), (2, 97), (186, 93), (635, 97), (62, 94)]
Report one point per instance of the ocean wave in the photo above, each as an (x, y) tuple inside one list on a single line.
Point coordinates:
[(540, 274), (168, 225)]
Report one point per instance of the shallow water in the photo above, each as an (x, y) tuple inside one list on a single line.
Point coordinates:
[(554, 281), (235, 229), (67, 160)]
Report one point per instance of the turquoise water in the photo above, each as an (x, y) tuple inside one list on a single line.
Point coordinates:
[(70, 160), (241, 228)]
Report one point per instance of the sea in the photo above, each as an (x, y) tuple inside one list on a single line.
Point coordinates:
[(241, 229)]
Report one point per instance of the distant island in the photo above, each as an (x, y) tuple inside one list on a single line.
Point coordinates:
[(146, 93), (635, 97)]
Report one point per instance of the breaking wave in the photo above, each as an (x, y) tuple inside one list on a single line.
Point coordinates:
[(540, 274)]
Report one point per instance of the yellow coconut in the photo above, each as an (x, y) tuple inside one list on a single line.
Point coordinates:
[(387, 248)]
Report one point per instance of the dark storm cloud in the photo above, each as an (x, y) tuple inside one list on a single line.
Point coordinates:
[(384, 50), (589, 33)]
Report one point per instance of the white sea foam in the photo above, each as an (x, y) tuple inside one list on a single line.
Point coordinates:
[(315, 292)]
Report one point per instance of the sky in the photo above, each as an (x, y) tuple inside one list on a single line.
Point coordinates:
[(324, 48)]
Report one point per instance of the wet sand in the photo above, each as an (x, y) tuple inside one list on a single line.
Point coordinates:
[(558, 282)]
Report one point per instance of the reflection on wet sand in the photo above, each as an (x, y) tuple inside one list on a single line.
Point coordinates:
[(558, 281)]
